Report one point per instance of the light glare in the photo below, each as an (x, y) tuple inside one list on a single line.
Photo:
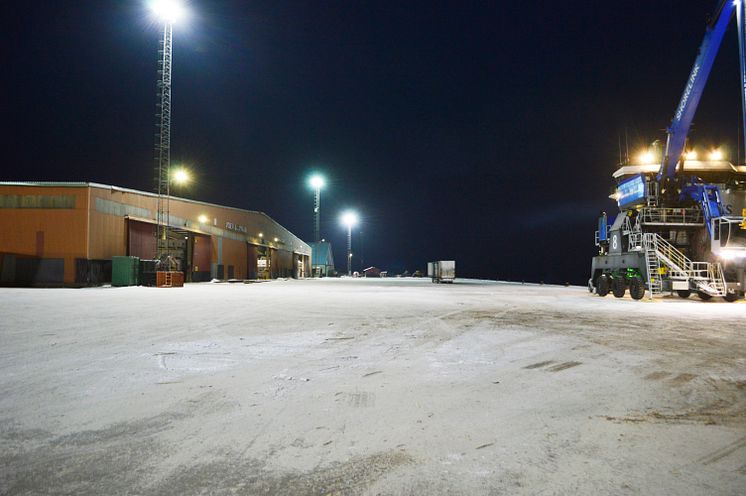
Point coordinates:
[(732, 255), (317, 182), (349, 219), (647, 157), (181, 176), (716, 154), (691, 155), (170, 11)]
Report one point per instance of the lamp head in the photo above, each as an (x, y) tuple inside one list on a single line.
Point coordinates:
[(169, 11), (349, 218), (180, 176), (317, 181)]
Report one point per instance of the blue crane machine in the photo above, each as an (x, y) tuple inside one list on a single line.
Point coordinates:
[(680, 226)]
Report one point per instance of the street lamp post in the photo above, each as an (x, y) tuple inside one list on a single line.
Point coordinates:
[(317, 182), (349, 219)]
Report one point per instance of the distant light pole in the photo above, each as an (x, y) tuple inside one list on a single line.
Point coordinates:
[(317, 182), (168, 12), (349, 219)]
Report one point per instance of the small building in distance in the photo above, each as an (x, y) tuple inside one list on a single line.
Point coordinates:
[(55, 233), (322, 259), (372, 272)]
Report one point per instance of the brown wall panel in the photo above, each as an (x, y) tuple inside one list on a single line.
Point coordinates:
[(49, 232)]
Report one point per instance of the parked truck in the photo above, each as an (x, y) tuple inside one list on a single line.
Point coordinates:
[(442, 271), (675, 231)]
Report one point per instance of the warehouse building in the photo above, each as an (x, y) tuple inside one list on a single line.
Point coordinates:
[(54, 233)]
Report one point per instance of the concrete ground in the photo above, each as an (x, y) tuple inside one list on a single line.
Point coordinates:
[(369, 387)]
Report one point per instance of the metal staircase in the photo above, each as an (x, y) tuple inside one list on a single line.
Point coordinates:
[(704, 276), (655, 286)]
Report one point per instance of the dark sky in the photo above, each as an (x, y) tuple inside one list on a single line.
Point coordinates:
[(484, 132)]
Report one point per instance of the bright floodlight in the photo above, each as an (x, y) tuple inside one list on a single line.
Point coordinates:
[(716, 154), (181, 176), (691, 155), (202, 219), (170, 11), (647, 157), (349, 219), (317, 182)]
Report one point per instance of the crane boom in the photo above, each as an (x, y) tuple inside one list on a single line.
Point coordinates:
[(695, 85)]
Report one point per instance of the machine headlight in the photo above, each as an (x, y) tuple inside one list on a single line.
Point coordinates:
[(732, 255)]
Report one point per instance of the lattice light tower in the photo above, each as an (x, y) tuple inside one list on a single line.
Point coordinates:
[(317, 182), (349, 219), (168, 11)]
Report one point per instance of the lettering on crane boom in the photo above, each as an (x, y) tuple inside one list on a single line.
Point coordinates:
[(687, 92)]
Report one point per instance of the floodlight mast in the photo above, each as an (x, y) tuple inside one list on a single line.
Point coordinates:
[(349, 219), (317, 182), (163, 144), (349, 249)]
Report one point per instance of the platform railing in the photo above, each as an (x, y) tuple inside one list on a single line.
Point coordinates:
[(676, 216)]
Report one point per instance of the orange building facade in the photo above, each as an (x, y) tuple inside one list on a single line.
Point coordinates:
[(67, 233)]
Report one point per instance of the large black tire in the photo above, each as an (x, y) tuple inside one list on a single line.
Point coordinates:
[(603, 285), (618, 286), (703, 296), (730, 296), (684, 293), (636, 288)]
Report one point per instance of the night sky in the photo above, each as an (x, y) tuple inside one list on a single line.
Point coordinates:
[(484, 132)]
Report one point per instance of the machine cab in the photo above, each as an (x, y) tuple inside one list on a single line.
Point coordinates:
[(729, 238)]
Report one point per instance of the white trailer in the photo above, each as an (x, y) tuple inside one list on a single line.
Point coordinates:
[(442, 271)]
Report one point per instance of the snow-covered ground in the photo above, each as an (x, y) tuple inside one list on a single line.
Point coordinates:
[(355, 386)]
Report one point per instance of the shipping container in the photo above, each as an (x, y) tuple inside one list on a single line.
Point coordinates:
[(124, 271)]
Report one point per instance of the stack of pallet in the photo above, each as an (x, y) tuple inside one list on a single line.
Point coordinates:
[(169, 279)]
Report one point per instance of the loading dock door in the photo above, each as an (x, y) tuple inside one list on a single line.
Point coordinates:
[(301, 271), (140, 239), (263, 263), (251, 264), (201, 257)]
